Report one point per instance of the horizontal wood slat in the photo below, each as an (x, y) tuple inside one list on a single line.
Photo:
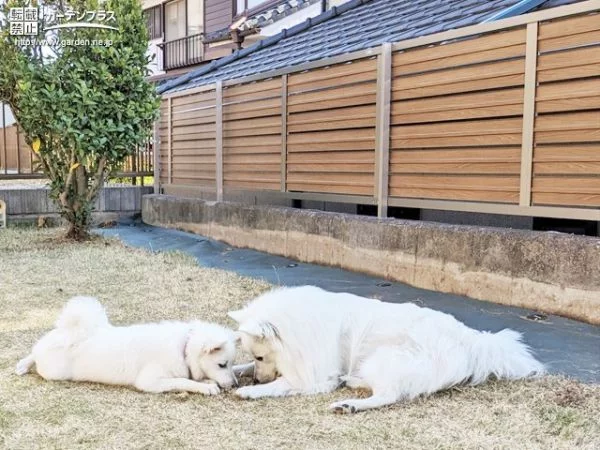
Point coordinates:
[(335, 114), (308, 80), (444, 51), (252, 134), (568, 26), (459, 75), (570, 58), (514, 51), (568, 89), (336, 93), (308, 157), (566, 158), (549, 153), (456, 126), (482, 154), (469, 168), (564, 185), (331, 129)]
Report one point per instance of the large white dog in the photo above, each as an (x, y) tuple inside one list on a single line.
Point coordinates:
[(306, 340), (156, 357)]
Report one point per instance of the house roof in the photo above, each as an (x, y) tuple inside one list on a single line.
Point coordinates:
[(352, 26), (265, 14), (277, 12)]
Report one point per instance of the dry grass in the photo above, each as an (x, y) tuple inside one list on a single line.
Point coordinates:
[(37, 274)]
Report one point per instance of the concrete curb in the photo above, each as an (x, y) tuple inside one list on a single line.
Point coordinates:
[(550, 272)]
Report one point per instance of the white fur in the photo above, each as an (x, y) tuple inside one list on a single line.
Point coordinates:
[(154, 357), (316, 340)]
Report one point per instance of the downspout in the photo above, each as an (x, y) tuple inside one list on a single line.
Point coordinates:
[(518, 8), (324, 5)]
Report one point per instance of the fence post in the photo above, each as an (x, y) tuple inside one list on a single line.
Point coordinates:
[(283, 133), (382, 127), (4, 139), (156, 156), (528, 114), (219, 140), (170, 146), (135, 165)]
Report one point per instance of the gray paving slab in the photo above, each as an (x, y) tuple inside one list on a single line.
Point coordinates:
[(566, 346)]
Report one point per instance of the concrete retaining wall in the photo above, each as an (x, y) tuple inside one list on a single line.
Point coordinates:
[(550, 272), (28, 203)]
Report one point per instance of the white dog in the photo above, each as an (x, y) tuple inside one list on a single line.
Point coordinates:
[(306, 340), (156, 357)]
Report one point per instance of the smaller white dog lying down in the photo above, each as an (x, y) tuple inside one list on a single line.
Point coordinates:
[(306, 340), (155, 357)]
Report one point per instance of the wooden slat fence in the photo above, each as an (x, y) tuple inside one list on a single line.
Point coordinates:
[(498, 118), (18, 161)]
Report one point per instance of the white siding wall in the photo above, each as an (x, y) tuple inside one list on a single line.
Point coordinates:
[(157, 62)]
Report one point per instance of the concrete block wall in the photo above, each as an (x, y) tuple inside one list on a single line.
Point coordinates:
[(28, 203)]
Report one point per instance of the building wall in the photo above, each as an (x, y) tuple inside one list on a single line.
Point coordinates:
[(218, 14), (156, 64)]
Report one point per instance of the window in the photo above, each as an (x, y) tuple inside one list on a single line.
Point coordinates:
[(154, 21), (175, 20), (244, 5)]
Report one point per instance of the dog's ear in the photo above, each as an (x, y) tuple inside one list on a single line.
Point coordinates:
[(214, 347), (237, 337), (261, 330), (236, 315)]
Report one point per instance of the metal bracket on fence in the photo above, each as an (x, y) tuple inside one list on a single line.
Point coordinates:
[(2, 214)]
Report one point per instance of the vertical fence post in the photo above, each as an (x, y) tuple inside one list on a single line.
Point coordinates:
[(219, 140), (170, 146), (283, 133), (528, 114), (134, 165), (4, 139), (382, 128), (18, 130), (156, 156)]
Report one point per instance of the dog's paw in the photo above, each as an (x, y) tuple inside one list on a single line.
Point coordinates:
[(247, 392), (22, 367), (210, 389), (343, 407)]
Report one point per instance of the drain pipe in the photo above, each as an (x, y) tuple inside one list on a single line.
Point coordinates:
[(324, 5), (517, 9)]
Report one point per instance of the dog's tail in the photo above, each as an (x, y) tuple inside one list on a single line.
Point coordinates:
[(504, 356), (81, 316)]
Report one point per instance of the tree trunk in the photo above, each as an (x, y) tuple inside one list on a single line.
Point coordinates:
[(77, 232)]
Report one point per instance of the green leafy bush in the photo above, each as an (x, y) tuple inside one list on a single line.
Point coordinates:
[(83, 108)]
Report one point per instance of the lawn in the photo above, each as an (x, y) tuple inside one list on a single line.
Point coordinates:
[(38, 274)]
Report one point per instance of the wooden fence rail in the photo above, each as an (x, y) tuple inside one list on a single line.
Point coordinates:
[(18, 161), (500, 118)]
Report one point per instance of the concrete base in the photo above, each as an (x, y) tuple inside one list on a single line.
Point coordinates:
[(551, 272), (99, 219)]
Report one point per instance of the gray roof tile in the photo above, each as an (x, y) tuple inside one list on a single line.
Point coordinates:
[(355, 25)]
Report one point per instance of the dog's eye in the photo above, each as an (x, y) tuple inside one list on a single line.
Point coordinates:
[(259, 358), (223, 366)]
